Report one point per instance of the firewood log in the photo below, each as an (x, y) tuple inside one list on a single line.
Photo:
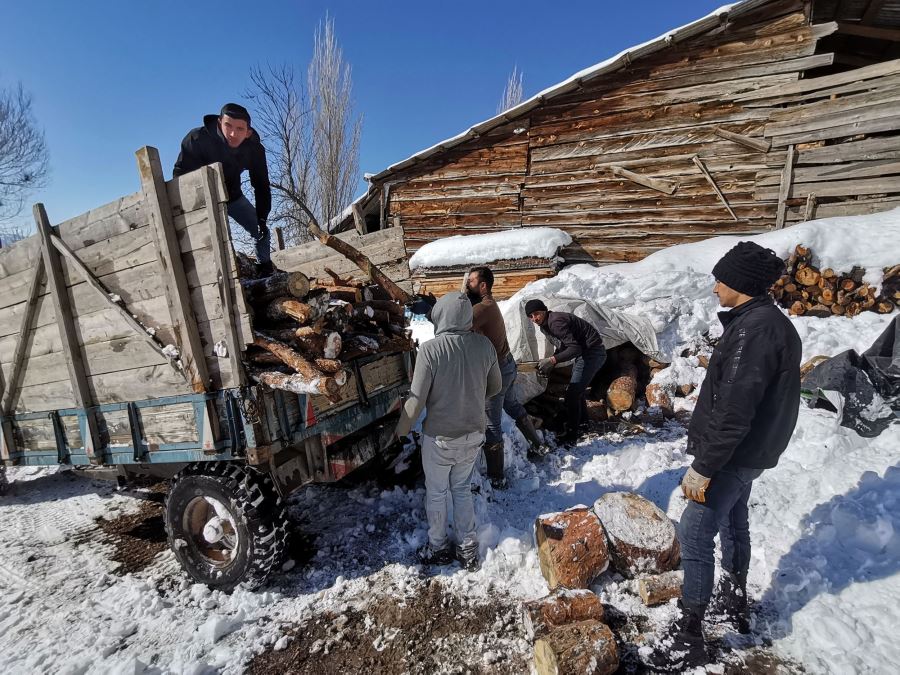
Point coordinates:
[(583, 648), (371, 314), (641, 537), (883, 305), (313, 342), (853, 309), (827, 296), (660, 587), (847, 284), (819, 311), (686, 388), (334, 279), (838, 309), (298, 383), (703, 360), (562, 606), (571, 548), (801, 251), (790, 287), (808, 276), (828, 273), (291, 308), (289, 357), (597, 411), (807, 367), (264, 359), (621, 393), (329, 365), (395, 310), (345, 293), (798, 308), (658, 396), (283, 284)]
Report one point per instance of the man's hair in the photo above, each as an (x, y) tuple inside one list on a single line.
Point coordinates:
[(235, 111), (484, 274)]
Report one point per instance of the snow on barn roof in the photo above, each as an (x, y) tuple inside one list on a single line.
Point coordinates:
[(621, 60)]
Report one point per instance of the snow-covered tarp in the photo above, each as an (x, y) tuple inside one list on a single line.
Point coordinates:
[(479, 249)]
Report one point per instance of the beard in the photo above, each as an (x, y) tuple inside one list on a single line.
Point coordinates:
[(473, 295)]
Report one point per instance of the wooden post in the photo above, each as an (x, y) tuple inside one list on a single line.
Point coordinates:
[(64, 320), (178, 298), (220, 237), (279, 238), (787, 177), (358, 220), (15, 372), (810, 211)]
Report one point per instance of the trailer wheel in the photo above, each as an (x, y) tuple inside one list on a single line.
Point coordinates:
[(225, 524)]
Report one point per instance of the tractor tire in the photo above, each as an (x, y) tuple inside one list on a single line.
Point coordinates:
[(226, 524)]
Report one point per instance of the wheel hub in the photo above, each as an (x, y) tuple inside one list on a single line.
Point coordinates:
[(212, 530)]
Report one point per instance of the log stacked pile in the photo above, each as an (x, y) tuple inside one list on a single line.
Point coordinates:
[(807, 290), (306, 332), (574, 548)]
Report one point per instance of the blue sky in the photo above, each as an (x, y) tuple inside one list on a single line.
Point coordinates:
[(109, 77)]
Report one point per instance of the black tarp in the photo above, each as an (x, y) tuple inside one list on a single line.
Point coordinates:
[(863, 382)]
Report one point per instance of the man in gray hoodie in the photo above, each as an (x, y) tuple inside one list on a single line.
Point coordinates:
[(454, 374)]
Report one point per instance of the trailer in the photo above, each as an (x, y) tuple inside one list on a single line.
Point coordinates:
[(123, 333)]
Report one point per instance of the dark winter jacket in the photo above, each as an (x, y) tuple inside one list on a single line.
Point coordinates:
[(571, 335), (749, 401), (205, 145)]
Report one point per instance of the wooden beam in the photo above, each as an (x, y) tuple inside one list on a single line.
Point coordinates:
[(105, 293), (220, 238), (66, 323), (874, 32), (9, 388), (760, 144), (815, 83), (712, 182), (810, 210), (787, 175), (871, 11), (358, 220), (665, 186), (184, 324)]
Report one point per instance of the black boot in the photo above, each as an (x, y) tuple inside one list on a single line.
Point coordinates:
[(468, 557), (537, 449), (493, 457), (730, 601), (683, 646), (265, 269)]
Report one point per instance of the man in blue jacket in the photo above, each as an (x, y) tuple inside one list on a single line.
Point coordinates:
[(228, 138), (745, 414), (574, 338)]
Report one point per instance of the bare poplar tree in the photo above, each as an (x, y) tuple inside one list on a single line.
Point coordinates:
[(513, 93), (336, 130), (23, 152), (283, 118)]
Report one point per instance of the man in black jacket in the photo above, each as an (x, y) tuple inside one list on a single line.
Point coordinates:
[(745, 414), (574, 338), (231, 140)]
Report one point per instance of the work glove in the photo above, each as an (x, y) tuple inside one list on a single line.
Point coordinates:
[(544, 366), (693, 485), (263, 231)]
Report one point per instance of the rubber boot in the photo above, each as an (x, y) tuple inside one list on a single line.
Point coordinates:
[(683, 646), (536, 447), (493, 458), (730, 601)]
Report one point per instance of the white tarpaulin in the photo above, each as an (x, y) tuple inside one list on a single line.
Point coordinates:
[(527, 343)]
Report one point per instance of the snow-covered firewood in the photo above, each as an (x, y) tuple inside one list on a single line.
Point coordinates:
[(571, 548), (660, 587), (562, 606), (585, 648)]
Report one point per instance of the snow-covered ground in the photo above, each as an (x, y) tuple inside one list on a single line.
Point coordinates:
[(825, 524)]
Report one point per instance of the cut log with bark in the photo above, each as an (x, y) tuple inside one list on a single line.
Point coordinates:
[(298, 384), (659, 588), (561, 607), (583, 648), (807, 367), (572, 548), (658, 396), (620, 396), (329, 365), (642, 539), (291, 308), (282, 284)]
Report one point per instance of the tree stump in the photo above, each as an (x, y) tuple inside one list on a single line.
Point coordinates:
[(571, 548), (561, 607), (642, 539), (621, 393), (585, 648), (660, 587)]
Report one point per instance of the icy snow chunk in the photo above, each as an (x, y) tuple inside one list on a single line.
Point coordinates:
[(217, 626), (171, 351), (537, 242)]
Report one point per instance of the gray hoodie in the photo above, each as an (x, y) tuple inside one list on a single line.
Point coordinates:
[(454, 374)]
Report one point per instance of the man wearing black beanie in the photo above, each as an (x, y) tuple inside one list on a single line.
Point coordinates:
[(228, 138), (743, 420)]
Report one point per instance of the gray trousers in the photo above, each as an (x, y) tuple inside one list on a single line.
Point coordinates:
[(506, 399), (448, 464)]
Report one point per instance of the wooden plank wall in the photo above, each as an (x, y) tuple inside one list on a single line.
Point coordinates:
[(116, 244), (567, 163)]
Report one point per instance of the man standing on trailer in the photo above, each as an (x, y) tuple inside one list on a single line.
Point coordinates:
[(228, 138)]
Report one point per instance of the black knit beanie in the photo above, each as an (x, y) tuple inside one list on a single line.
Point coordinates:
[(534, 305), (749, 268)]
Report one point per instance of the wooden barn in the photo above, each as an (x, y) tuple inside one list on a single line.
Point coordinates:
[(758, 116)]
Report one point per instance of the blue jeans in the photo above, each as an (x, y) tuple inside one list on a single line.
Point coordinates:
[(725, 511), (506, 399), (244, 214), (583, 371)]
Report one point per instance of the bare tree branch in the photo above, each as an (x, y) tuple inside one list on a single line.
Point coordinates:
[(23, 152), (513, 93)]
